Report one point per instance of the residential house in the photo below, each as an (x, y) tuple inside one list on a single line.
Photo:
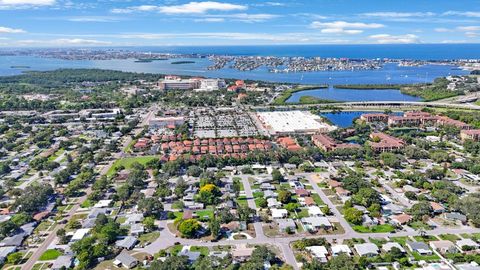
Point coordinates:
[(128, 242), (316, 223), (340, 249), (401, 219), (279, 213), (62, 262), (286, 224), (366, 249), (467, 244), (419, 247), (387, 247), (315, 211), (126, 260), (319, 252), (242, 253), (444, 246), (455, 216)]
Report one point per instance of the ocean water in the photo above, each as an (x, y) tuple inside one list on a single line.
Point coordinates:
[(345, 119), (390, 73), (393, 51), (354, 95)]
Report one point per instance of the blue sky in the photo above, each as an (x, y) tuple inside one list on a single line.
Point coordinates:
[(60, 23)]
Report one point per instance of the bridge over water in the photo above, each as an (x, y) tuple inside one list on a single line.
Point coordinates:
[(365, 105)]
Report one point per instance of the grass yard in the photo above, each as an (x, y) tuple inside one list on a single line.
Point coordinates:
[(425, 239), (257, 194), (475, 236), (328, 192), (378, 241), (205, 212), (317, 199), (242, 188), (127, 163), (449, 237), (203, 250), (148, 238), (242, 200), (56, 154), (174, 250), (418, 225), (384, 228), (50, 254), (427, 258), (401, 240)]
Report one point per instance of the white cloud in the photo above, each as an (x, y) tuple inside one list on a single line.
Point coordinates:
[(395, 39), (243, 17), (210, 20), (27, 2), (7, 30), (442, 30), (469, 28), (472, 34), (64, 42), (388, 14), (93, 19), (340, 31), (189, 8), (342, 27), (462, 13)]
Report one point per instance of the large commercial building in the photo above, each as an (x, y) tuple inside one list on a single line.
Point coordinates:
[(293, 122), (197, 84), (177, 83), (211, 85), (166, 122)]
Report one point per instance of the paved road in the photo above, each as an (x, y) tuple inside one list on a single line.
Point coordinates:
[(348, 229), (251, 203), (395, 194), (375, 104), (53, 234)]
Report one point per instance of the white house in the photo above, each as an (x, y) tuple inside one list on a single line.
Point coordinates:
[(319, 252), (279, 213)]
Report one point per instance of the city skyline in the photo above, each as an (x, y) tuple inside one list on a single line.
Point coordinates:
[(60, 23)]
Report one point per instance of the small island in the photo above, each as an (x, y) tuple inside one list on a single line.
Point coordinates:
[(149, 60), (182, 62), (20, 67)]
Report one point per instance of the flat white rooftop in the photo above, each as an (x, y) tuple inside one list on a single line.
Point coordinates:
[(285, 122)]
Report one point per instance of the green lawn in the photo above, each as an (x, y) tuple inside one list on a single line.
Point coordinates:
[(56, 154), (258, 194), (427, 258), (449, 237), (384, 228), (242, 188), (426, 238), (417, 225), (203, 250), (377, 241), (317, 199), (50, 254), (205, 212), (401, 240), (242, 200), (127, 163), (475, 236), (174, 250), (148, 237)]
